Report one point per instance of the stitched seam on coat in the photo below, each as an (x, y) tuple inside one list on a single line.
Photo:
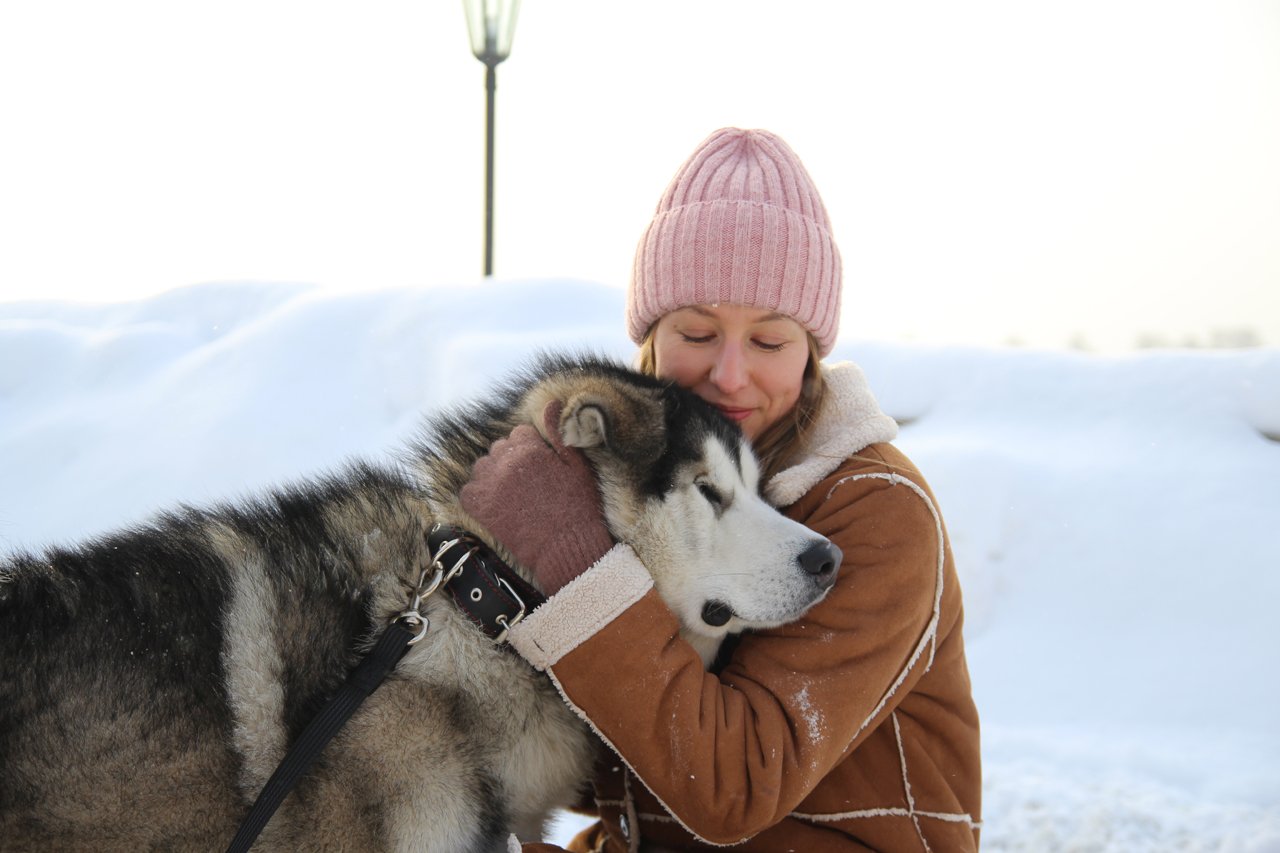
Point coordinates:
[(930, 637), (635, 830), (835, 817), (656, 818), (946, 817), (957, 817), (906, 781)]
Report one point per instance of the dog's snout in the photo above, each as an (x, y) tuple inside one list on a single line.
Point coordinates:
[(822, 560)]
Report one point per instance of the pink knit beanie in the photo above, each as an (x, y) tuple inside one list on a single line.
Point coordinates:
[(740, 224)]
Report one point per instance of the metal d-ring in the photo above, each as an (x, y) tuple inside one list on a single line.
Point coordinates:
[(411, 617), (440, 577), (430, 588)]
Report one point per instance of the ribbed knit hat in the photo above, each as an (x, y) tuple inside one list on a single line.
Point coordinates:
[(740, 224)]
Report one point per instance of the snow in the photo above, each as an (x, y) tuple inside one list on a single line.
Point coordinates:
[(1113, 517)]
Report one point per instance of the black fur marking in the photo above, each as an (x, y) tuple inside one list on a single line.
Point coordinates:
[(315, 572), (493, 822), (116, 597), (466, 432), (125, 634), (685, 443), (118, 646)]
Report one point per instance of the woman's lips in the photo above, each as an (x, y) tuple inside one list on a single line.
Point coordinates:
[(735, 414)]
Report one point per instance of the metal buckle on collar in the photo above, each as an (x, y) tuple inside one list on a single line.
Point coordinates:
[(501, 618), (499, 598)]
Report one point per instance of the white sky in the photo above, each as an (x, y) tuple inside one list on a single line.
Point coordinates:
[(994, 170)]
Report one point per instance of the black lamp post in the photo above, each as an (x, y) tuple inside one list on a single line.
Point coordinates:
[(492, 26)]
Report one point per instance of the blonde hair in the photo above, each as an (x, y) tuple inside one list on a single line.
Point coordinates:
[(786, 439)]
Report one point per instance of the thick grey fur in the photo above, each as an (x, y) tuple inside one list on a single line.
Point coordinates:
[(150, 680)]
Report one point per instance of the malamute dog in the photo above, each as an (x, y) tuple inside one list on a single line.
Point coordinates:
[(151, 680)]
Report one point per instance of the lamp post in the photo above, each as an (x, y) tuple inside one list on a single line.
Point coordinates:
[(492, 26)]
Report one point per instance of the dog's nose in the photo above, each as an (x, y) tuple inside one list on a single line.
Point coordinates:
[(822, 560)]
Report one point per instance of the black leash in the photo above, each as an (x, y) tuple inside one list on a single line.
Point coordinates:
[(493, 596), (364, 679)]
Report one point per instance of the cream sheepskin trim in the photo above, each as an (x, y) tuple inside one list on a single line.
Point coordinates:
[(850, 420), (584, 606)]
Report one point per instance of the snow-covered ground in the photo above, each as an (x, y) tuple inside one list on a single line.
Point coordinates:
[(1114, 518)]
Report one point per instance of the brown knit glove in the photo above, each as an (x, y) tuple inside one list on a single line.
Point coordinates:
[(540, 501)]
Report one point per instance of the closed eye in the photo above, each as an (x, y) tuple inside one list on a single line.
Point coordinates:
[(712, 494)]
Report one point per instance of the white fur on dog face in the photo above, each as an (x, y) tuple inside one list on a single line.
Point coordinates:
[(712, 538)]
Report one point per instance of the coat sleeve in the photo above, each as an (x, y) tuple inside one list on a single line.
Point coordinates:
[(729, 755)]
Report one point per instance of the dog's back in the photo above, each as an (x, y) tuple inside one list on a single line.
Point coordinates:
[(150, 682), (107, 693)]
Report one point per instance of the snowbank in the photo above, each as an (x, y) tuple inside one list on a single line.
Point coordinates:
[(1113, 518)]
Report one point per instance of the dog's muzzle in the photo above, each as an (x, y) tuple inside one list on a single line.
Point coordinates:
[(820, 561)]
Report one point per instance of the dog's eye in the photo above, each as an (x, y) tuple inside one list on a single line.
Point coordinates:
[(711, 493)]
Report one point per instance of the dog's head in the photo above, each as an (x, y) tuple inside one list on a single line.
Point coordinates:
[(681, 486)]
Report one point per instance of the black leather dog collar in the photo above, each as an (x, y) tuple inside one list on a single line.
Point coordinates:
[(492, 595)]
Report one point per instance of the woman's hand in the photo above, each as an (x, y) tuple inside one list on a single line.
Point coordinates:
[(541, 502)]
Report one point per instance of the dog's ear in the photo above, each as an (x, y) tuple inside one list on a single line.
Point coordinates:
[(583, 423), (625, 420)]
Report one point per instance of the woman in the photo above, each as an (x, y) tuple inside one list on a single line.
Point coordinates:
[(851, 729)]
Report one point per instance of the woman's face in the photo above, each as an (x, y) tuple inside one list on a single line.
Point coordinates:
[(747, 362)]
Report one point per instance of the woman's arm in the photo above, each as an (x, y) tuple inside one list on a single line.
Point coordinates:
[(731, 754)]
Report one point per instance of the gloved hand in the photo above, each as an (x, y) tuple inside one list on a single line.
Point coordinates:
[(541, 502)]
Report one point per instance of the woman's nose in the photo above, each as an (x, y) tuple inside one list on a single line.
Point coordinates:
[(729, 373)]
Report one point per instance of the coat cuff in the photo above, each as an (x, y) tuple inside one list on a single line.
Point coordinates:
[(584, 606)]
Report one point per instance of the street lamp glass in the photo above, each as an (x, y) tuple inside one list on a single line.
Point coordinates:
[(492, 25)]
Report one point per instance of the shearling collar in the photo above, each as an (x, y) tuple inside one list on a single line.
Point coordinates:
[(849, 421)]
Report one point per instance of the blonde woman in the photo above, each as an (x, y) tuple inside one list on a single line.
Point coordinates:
[(851, 729)]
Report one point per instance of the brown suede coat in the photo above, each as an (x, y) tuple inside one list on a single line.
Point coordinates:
[(852, 729)]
